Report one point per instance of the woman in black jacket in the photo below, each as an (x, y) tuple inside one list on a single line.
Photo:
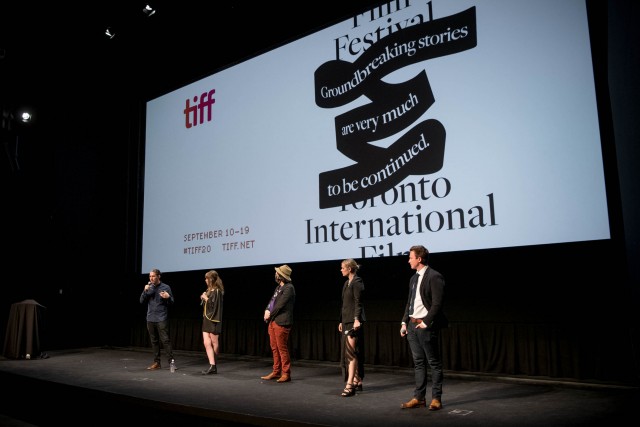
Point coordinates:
[(352, 319)]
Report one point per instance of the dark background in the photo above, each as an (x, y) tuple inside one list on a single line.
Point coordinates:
[(72, 190)]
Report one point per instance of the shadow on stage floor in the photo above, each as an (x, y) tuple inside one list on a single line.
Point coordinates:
[(98, 386)]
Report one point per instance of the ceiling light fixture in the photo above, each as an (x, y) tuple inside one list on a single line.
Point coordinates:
[(148, 10), (25, 117), (109, 33)]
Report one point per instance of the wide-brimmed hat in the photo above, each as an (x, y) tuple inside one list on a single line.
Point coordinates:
[(284, 271)]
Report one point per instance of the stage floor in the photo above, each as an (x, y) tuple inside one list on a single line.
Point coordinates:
[(96, 386)]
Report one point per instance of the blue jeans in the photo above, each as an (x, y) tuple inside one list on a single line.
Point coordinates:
[(159, 332), (425, 349)]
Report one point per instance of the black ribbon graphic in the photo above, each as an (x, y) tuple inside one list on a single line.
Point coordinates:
[(394, 107)]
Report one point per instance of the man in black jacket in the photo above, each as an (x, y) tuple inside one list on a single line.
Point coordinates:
[(423, 318)]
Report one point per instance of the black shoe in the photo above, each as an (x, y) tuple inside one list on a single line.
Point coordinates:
[(212, 370), (349, 391)]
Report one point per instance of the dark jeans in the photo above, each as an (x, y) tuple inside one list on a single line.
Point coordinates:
[(159, 332), (425, 349)]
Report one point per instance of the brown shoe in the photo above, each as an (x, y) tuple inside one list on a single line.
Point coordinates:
[(285, 378), (414, 403), (156, 365), (271, 376), (435, 405)]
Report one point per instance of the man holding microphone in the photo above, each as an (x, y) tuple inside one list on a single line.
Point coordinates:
[(158, 297)]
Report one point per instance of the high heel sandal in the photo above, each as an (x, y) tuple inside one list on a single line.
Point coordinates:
[(213, 369), (349, 391), (357, 384)]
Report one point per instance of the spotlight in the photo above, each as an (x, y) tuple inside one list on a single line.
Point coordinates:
[(25, 116), (109, 33), (148, 10)]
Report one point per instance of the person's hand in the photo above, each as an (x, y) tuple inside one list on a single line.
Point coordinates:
[(403, 330), (356, 324), (340, 327), (421, 325), (164, 294), (267, 314)]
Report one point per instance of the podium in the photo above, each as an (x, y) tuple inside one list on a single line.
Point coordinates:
[(25, 330)]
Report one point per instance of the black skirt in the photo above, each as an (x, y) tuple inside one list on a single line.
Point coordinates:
[(347, 353), (211, 327)]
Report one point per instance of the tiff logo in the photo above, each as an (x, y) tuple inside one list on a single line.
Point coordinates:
[(194, 114)]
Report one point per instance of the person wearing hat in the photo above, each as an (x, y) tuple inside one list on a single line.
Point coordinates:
[(279, 317)]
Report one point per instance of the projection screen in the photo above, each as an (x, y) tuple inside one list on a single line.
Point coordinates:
[(459, 125)]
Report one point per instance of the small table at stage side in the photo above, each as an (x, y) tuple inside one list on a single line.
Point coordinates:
[(24, 329)]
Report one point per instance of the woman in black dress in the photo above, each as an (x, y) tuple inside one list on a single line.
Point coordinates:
[(211, 301), (352, 319)]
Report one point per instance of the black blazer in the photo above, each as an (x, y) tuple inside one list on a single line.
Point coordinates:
[(282, 312), (432, 293), (352, 307)]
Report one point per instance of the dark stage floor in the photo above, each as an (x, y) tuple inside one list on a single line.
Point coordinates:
[(98, 386)]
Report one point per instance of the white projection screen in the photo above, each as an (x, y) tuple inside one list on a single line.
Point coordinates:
[(460, 125)]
